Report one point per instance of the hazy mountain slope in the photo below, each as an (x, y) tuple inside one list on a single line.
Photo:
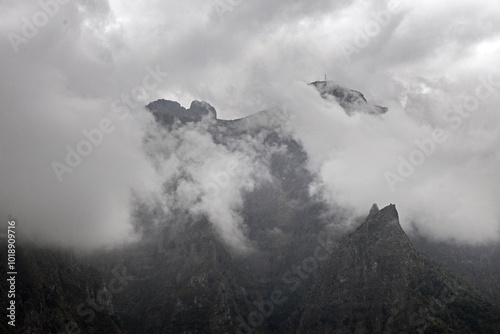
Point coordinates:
[(55, 293), (478, 265), (179, 282), (377, 282)]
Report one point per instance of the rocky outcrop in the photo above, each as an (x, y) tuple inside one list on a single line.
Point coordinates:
[(167, 112), (56, 293), (350, 100), (377, 282)]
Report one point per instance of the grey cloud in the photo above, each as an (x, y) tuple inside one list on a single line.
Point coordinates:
[(260, 54)]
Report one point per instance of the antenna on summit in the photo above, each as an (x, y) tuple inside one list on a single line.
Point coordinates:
[(325, 77)]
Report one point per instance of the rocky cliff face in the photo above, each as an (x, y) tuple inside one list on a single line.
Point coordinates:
[(56, 293), (478, 265), (166, 112), (377, 282)]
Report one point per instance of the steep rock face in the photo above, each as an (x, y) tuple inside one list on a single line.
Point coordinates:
[(55, 293), (180, 281), (181, 277), (352, 101), (376, 282), (478, 265)]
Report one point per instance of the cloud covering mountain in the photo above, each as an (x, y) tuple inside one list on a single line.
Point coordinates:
[(92, 60)]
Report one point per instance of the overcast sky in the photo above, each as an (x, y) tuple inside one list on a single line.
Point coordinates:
[(66, 66)]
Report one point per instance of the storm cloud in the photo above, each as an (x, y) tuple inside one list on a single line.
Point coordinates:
[(67, 65)]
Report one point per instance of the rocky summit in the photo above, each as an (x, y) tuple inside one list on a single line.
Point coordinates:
[(351, 100)]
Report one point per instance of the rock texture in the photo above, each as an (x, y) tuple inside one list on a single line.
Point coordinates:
[(478, 265), (377, 282), (351, 100), (56, 293)]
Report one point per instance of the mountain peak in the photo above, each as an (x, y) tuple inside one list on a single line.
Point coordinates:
[(166, 111), (382, 227), (376, 281), (390, 213), (350, 100), (373, 211)]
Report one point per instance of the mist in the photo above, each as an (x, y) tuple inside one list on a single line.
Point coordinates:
[(202, 178), (443, 189)]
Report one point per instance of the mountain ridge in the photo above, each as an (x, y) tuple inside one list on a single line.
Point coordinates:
[(377, 282), (167, 111)]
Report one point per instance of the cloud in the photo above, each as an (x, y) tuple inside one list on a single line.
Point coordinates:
[(450, 194), (89, 54), (203, 178)]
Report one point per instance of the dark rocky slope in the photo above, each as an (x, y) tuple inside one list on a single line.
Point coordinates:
[(478, 265), (377, 282), (56, 293)]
